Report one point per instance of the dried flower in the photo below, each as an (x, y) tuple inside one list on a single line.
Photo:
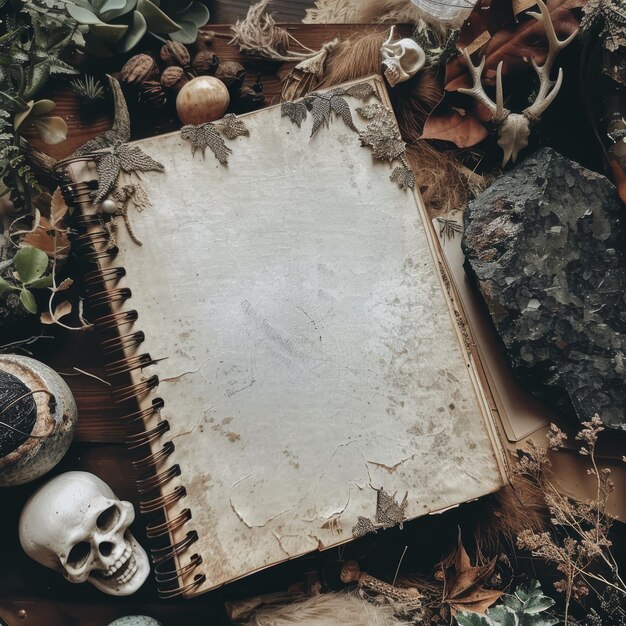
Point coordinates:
[(556, 437)]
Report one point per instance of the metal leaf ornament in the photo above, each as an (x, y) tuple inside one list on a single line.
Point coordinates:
[(123, 158), (208, 135), (322, 105), (383, 136)]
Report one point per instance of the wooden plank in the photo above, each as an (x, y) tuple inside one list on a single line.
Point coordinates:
[(229, 11)]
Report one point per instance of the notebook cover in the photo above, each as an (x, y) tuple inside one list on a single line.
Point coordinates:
[(312, 372)]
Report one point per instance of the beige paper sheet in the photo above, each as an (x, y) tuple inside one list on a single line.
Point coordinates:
[(310, 355)]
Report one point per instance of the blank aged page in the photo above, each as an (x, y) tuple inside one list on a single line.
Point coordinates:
[(311, 364)]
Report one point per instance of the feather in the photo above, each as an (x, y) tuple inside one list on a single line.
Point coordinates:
[(329, 609)]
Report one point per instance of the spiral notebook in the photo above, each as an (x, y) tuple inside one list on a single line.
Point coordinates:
[(286, 327)]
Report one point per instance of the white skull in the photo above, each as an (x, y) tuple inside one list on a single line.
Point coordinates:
[(401, 59), (74, 524)]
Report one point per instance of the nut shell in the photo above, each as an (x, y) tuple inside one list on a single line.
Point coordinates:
[(204, 62), (202, 99), (174, 77), (139, 68), (175, 53), (231, 73)]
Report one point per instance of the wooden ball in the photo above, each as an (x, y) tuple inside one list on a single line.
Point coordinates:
[(202, 99)]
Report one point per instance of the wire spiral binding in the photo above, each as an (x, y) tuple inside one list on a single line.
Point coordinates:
[(119, 339)]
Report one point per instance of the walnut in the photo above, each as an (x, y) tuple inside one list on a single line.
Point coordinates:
[(138, 69), (174, 77), (231, 74), (204, 62), (174, 53)]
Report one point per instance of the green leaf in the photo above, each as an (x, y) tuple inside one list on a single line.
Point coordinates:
[(41, 283), (108, 33), (123, 7), (28, 301), (22, 116), (82, 16), (96, 47), (5, 286), (135, 34), (503, 616), (469, 618), (188, 33), (198, 14), (156, 20), (30, 263)]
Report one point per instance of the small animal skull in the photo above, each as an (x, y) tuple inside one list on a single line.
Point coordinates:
[(401, 59), (74, 524)]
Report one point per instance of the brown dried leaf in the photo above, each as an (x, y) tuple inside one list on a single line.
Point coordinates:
[(58, 208), (43, 237), (61, 310), (514, 43), (464, 131), (464, 582)]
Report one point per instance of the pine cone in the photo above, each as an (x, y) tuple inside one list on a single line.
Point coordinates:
[(151, 92)]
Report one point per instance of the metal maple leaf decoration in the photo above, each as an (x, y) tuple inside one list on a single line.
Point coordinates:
[(123, 158), (383, 136), (208, 135), (321, 105)]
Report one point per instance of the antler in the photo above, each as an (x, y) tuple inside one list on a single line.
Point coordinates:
[(498, 112), (548, 89)]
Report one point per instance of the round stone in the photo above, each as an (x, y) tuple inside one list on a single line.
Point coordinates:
[(42, 414), (135, 620), (202, 99)]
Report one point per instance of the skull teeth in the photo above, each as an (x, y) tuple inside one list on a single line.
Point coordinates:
[(125, 557)]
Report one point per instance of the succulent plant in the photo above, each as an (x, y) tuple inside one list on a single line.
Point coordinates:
[(117, 26)]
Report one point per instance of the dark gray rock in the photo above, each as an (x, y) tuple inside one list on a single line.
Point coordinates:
[(545, 244)]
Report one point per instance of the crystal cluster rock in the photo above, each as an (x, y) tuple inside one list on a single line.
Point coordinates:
[(545, 245)]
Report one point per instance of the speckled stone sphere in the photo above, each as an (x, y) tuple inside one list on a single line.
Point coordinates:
[(135, 620), (43, 423), (202, 99)]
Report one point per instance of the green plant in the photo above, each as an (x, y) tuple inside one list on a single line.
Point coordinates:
[(88, 88), (31, 42), (30, 265), (117, 26), (528, 606)]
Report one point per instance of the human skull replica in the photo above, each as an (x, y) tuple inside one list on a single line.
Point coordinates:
[(401, 59), (74, 524)]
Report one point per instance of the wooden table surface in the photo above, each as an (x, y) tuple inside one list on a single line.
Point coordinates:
[(33, 595)]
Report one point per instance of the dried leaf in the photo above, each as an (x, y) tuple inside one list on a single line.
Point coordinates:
[(58, 207), (43, 238), (64, 284), (464, 582), (61, 310), (513, 42), (464, 131)]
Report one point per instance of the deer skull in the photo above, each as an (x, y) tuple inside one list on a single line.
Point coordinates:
[(75, 524), (402, 59), (514, 128)]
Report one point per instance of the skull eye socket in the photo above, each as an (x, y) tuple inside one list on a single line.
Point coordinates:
[(108, 518), (79, 554)]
